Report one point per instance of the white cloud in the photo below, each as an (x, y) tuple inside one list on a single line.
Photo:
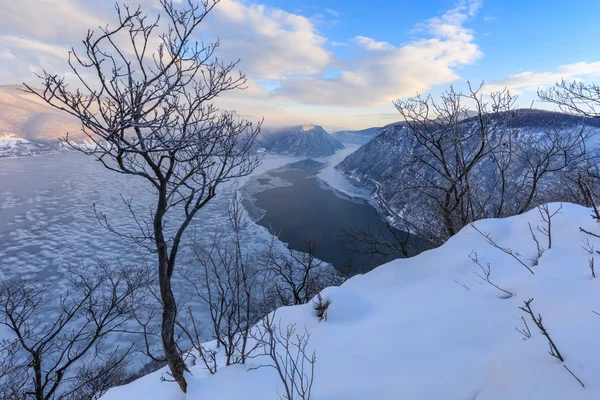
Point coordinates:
[(273, 45), (393, 72), (372, 44), (338, 44), (270, 42), (332, 12), (533, 80)]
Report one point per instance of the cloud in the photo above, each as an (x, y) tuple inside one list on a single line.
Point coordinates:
[(372, 44), (386, 72), (338, 44), (332, 12), (271, 43), (285, 49), (533, 80)]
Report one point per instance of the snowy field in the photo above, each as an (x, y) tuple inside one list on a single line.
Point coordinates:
[(430, 328)]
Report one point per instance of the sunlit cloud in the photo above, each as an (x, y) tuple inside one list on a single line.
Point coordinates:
[(531, 81)]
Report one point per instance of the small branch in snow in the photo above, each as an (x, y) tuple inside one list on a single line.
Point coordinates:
[(540, 249), (505, 250), (589, 233), (525, 331), (574, 376), (546, 215), (553, 349), (461, 284), (554, 352), (587, 246), (487, 271)]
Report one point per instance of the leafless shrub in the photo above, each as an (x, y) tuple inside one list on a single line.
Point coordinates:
[(54, 350), (297, 276), (487, 272), (226, 283), (321, 307), (289, 356)]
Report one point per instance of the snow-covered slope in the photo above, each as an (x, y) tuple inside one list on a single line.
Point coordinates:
[(306, 140), (14, 146), (390, 163), (428, 328), (356, 137)]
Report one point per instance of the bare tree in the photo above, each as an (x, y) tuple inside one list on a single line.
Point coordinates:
[(574, 97), (447, 151), (289, 356), (149, 114), (297, 276), (55, 352), (466, 156), (226, 284), (582, 99)]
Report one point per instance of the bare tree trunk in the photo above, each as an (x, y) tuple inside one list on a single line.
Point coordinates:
[(169, 305), (174, 359)]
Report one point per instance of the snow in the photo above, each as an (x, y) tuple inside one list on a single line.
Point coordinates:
[(428, 328), (337, 180)]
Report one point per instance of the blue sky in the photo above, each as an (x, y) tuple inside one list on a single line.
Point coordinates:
[(340, 63)]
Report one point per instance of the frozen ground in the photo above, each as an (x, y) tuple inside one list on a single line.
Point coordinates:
[(428, 328)]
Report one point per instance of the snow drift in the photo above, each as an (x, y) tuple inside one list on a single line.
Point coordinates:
[(430, 328)]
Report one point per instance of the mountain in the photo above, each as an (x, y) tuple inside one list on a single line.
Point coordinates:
[(432, 328), (356, 137), (14, 146), (28, 117), (306, 140), (408, 188)]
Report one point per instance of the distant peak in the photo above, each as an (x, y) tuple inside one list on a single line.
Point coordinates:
[(308, 127)]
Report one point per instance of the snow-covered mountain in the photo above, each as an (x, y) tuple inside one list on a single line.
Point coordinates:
[(14, 146), (359, 137), (305, 140), (388, 163), (431, 327)]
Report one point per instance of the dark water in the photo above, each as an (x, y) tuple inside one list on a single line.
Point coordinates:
[(306, 210)]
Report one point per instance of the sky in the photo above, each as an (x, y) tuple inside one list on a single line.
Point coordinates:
[(341, 63)]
